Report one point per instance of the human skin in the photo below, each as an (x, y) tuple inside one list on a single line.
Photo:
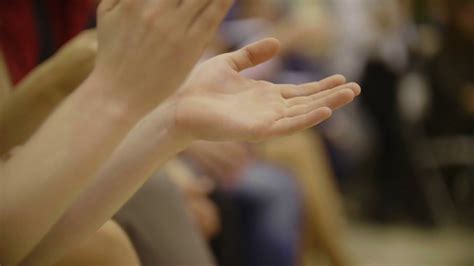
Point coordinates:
[(26, 107), (30, 103), (236, 108), (305, 154), (141, 61), (4, 80), (109, 246), (223, 161), (82, 49)]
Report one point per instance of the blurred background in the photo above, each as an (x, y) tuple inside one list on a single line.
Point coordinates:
[(403, 155), (388, 181)]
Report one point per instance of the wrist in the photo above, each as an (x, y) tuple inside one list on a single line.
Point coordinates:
[(165, 115), (97, 94)]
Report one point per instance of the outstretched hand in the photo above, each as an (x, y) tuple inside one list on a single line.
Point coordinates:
[(219, 104), (147, 48)]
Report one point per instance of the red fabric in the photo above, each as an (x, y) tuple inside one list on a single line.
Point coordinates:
[(19, 39)]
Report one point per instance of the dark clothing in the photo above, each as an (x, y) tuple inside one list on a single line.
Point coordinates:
[(398, 195), (451, 78), (261, 219), (450, 74)]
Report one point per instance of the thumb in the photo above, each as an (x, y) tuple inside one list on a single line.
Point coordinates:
[(105, 6), (253, 54)]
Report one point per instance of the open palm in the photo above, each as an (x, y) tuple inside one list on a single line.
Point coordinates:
[(217, 103)]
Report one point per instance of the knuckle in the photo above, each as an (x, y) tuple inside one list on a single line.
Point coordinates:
[(223, 5), (129, 3)]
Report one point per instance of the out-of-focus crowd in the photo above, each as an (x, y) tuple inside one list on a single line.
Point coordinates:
[(403, 153)]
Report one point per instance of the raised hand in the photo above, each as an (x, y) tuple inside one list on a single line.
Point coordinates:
[(216, 103), (146, 50), (148, 47), (219, 104)]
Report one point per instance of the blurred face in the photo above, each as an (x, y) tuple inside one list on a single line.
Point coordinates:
[(267, 9), (465, 19)]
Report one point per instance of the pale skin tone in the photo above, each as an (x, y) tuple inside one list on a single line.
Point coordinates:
[(41, 92), (108, 106), (109, 246), (26, 106), (174, 125), (221, 160), (44, 177), (35, 97)]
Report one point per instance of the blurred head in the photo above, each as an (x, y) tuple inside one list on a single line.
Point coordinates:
[(268, 9), (461, 16)]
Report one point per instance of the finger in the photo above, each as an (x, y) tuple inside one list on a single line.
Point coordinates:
[(236, 152), (312, 88), (189, 10), (208, 21), (207, 184), (156, 12), (253, 54), (287, 126), (335, 101), (232, 166), (223, 164), (354, 87), (214, 167), (200, 187), (208, 164), (193, 191), (105, 6), (161, 5)]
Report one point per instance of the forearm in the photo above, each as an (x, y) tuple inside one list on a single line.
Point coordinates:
[(41, 179), (148, 146), (119, 251), (143, 60), (33, 100)]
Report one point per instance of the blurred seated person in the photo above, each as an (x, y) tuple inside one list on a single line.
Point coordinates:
[(42, 89), (451, 75), (303, 29), (259, 204), (449, 121), (9, 114)]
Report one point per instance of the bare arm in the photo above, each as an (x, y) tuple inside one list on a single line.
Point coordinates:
[(33, 100), (215, 104), (128, 169), (4, 80), (119, 251), (42, 178), (133, 74)]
